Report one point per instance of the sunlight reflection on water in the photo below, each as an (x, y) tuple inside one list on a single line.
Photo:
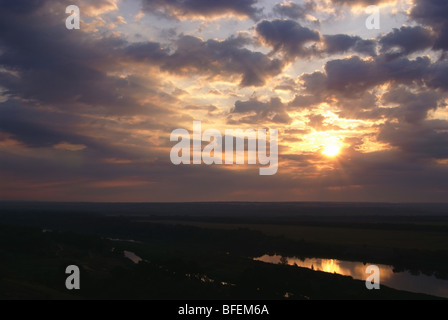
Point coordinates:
[(398, 280), (132, 256)]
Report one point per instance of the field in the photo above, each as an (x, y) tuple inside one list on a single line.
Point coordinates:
[(403, 239)]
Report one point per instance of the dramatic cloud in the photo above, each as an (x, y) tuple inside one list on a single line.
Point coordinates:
[(341, 43), (293, 10), (433, 13), (288, 37), (351, 84), (405, 41), (211, 57), (258, 112), (87, 114), (413, 106), (437, 76), (305, 100), (218, 57), (181, 9), (427, 140), (353, 75), (292, 40), (38, 128), (58, 61)]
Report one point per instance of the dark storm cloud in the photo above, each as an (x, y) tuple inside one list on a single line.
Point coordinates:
[(340, 43), (430, 12), (213, 57), (39, 169), (353, 75), (75, 175), (293, 10), (257, 111), (288, 37), (64, 87), (406, 40), (428, 140), (437, 76), (414, 107), (42, 128), (293, 40), (92, 88), (442, 40), (50, 64), (365, 105), (391, 174), (313, 85), (210, 57), (350, 85), (37, 128), (313, 82), (146, 51), (203, 8), (433, 13), (305, 101), (369, 114)]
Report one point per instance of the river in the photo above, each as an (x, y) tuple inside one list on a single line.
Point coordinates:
[(399, 280)]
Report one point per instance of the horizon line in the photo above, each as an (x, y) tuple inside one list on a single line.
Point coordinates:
[(223, 201)]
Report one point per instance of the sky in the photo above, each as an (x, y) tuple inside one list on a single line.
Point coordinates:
[(86, 114)]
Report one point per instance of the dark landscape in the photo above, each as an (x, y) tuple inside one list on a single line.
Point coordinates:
[(207, 250)]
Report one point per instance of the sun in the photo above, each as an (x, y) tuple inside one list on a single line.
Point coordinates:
[(331, 150)]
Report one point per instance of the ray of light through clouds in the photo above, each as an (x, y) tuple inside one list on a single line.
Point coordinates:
[(87, 114)]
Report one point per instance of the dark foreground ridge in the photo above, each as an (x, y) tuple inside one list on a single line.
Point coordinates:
[(189, 254)]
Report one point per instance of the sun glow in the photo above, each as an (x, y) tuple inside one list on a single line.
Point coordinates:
[(331, 150)]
